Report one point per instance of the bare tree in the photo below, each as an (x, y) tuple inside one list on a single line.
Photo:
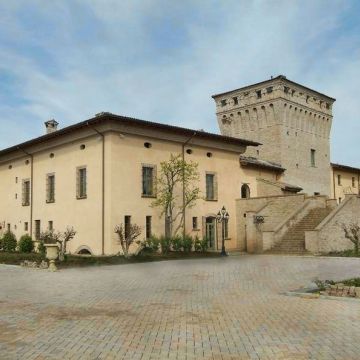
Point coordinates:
[(65, 237), (352, 232), (126, 238)]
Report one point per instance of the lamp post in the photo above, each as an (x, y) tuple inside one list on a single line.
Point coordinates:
[(223, 217)]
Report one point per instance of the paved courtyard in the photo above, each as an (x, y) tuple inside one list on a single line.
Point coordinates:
[(191, 309)]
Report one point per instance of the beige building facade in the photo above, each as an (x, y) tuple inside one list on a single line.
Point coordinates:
[(271, 162)]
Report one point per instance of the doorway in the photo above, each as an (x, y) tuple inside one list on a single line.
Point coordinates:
[(211, 231)]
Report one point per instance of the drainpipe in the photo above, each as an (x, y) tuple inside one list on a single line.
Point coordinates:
[(183, 187), (334, 185), (31, 187), (102, 190)]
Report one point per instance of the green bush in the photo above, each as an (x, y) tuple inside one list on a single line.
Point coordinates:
[(187, 243), (204, 244), (9, 241), (26, 245), (151, 245), (41, 248), (165, 244), (177, 243)]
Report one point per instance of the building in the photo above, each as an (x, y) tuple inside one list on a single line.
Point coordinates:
[(271, 162)]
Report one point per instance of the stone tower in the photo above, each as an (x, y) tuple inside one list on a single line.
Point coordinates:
[(291, 121)]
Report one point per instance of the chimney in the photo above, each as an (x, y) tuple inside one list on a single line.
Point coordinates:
[(51, 126)]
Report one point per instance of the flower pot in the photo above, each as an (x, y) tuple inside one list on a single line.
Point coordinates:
[(52, 253)]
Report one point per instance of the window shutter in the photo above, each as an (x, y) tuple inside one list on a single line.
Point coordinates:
[(215, 187)]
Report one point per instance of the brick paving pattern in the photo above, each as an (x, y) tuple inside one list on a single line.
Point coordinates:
[(230, 308)]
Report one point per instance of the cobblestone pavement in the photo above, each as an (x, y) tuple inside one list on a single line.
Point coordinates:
[(223, 308)]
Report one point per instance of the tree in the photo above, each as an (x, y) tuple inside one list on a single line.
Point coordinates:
[(352, 232), (128, 236), (177, 189), (65, 237)]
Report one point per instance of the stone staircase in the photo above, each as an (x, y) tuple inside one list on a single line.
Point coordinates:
[(293, 241)]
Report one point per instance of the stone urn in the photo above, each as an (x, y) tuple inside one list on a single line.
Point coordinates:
[(52, 253)]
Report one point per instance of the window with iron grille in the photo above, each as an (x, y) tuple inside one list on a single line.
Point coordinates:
[(81, 183), (148, 227), (50, 226), (211, 186), (339, 179), (37, 229), (312, 157), (50, 188), (127, 224), (26, 193), (26, 226), (148, 180)]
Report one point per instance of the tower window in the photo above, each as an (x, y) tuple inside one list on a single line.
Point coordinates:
[(312, 157), (286, 89), (269, 89), (223, 102), (353, 182), (258, 94), (236, 101)]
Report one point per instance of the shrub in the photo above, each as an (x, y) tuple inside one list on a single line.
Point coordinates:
[(151, 245), (26, 244), (165, 244), (9, 241), (197, 244), (204, 244), (177, 243), (187, 243), (41, 248)]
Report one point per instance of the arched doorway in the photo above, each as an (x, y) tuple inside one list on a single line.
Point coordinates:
[(245, 191)]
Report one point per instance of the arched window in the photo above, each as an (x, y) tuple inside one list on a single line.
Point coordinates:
[(245, 191)]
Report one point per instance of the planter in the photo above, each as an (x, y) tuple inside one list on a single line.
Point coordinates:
[(52, 253)]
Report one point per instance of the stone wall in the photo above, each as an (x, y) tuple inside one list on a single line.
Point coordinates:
[(329, 236)]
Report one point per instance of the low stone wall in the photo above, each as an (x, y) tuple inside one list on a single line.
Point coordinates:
[(329, 235)]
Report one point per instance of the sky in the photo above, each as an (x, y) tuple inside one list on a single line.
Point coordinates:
[(162, 60)]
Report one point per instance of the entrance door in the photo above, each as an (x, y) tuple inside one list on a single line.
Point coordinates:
[(210, 232)]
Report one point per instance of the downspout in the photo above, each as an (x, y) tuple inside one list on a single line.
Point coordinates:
[(183, 185), (358, 183), (334, 184), (31, 187), (102, 191)]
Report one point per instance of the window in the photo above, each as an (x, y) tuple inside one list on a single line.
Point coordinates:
[(26, 226), (245, 191), (211, 188), (223, 102), (16, 180), (127, 221), (286, 89), (37, 229), (340, 200), (50, 188), (147, 145), (209, 154), (195, 223), (353, 182), (50, 226), (81, 183), (258, 94), (148, 227), (236, 101), (312, 157), (226, 228), (339, 179), (26, 193), (148, 173), (8, 227), (269, 89)]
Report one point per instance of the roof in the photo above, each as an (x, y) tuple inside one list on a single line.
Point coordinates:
[(252, 161), (283, 186), (345, 167), (106, 116), (280, 77)]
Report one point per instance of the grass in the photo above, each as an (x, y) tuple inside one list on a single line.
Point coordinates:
[(15, 258)]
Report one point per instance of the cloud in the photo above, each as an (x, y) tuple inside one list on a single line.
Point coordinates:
[(162, 61)]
